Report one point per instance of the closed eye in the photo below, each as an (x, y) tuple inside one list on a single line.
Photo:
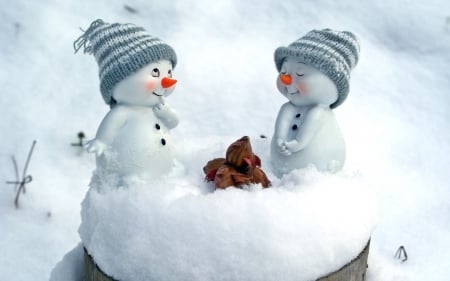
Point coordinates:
[(300, 74)]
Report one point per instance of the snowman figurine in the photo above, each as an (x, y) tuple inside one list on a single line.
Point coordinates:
[(314, 74), (135, 71)]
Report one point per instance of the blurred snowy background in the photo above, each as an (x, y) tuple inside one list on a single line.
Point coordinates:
[(395, 119)]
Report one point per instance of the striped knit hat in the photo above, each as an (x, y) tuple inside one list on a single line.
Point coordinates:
[(121, 50), (334, 53)]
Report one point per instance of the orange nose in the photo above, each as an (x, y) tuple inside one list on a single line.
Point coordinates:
[(286, 79), (167, 82)]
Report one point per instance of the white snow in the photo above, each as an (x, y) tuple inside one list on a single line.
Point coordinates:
[(304, 227), (395, 120)]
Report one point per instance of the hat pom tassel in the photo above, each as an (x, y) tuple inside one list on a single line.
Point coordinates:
[(83, 41)]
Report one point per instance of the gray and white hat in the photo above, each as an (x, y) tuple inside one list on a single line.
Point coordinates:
[(121, 50), (335, 53)]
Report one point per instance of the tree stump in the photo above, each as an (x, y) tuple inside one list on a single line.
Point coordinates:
[(92, 271), (352, 271), (355, 270)]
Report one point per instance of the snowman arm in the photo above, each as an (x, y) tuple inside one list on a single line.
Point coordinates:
[(110, 125), (283, 123), (167, 115), (313, 121)]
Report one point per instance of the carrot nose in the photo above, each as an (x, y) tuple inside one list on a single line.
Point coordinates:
[(167, 82), (286, 79)]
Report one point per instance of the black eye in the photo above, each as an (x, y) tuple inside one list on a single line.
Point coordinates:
[(298, 74), (169, 73), (155, 72)]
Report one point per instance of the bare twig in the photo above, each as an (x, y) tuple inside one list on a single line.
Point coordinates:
[(20, 184), (16, 170), (28, 159), (401, 254), (80, 143)]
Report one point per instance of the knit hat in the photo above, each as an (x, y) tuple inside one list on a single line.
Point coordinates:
[(334, 53), (121, 50)]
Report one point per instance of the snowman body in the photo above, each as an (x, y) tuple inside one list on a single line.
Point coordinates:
[(306, 131), (325, 149), (134, 138), (142, 146)]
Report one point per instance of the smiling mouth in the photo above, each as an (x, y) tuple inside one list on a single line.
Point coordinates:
[(157, 94)]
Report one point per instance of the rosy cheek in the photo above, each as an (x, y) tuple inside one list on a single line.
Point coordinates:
[(150, 85), (302, 88)]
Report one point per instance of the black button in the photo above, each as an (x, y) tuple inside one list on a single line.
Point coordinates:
[(295, 127), (163, 141), (157, 126), (298, 115)]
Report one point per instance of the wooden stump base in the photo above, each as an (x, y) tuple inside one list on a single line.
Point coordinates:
[(353, 271), (91, 270)]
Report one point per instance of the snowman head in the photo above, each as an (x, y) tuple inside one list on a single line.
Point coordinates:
[(127, 55), (304, 85), (319, 53), (147, 87)]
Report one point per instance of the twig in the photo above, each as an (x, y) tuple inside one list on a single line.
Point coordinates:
[(401, 252), (16, 170), (20, 184), (28, 159), (80, 136)]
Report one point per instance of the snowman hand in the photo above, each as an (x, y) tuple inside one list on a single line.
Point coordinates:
[(166, 114), (292, 146), (282, 149), (160, 110), (96, 146)]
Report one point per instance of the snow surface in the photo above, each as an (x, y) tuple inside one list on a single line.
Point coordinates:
[(395, 120), (304, 227)]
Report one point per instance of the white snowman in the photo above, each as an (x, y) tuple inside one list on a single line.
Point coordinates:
[(135, 72), (314, 74)]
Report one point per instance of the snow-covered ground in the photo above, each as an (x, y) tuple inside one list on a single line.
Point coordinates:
[(394, 120)]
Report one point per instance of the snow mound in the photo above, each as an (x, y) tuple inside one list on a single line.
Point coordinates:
[(308, 224)]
